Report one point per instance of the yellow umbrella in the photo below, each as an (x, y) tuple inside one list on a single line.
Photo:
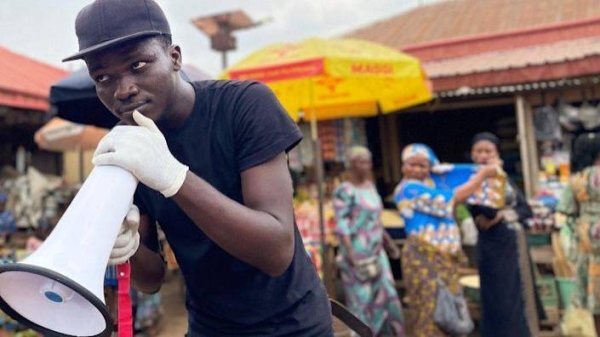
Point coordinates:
[(320, 79)]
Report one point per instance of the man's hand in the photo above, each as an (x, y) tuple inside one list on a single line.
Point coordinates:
[(128, 239), (143, 151)]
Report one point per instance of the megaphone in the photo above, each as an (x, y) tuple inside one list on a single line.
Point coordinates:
[(59, 289)]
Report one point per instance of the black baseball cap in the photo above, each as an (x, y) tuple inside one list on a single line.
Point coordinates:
[(106, 23)]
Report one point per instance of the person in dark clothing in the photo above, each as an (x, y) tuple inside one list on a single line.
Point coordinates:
[(210, 158), (509, 300)]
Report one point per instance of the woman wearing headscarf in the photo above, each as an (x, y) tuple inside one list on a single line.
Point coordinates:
[(509, 301), (580, 202), (364, 266), (433, 247)]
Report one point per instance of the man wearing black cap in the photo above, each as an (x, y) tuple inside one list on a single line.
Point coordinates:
[(210, 157)]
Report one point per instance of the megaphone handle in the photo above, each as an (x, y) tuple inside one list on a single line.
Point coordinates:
[(125, 317)]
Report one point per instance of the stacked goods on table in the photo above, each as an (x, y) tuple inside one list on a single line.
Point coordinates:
[(307, 220)]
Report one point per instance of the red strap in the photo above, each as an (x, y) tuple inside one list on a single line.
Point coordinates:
[(124, 301)]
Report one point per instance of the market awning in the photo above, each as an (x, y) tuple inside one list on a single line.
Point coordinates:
[(562, 59), (61, 135), (23, 101), (25, 82)]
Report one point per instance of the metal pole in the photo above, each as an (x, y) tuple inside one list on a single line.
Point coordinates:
[(319, 173), (81, 170), (224, 60)]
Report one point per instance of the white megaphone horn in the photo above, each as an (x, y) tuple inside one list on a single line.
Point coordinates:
[(59, 289)]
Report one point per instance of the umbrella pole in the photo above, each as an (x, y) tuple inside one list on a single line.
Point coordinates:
[(318, 161), (80, 154)]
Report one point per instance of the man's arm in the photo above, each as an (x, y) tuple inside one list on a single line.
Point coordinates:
[(147, 266), (260, 232)]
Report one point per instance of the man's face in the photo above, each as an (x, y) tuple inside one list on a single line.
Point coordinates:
[(136, 76)]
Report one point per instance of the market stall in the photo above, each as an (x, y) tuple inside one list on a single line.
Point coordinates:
[(336, 136)]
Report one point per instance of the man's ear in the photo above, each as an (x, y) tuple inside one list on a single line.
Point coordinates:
[(176, 57)]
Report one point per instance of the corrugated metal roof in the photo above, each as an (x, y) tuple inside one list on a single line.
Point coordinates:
[(558, 52), (464, 18), (25, 82)]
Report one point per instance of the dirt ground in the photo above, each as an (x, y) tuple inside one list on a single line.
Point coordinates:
[(174, 318)]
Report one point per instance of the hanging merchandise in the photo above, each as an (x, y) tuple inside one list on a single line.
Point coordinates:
[(327, 135), (568, 116), (546, 122), (349, 132), (357, 135), (588, 114), (306, 146), (340, 140), (338, 135)]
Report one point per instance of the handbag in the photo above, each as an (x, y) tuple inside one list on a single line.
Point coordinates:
[(451, 313), (578, 322), (367, 268)]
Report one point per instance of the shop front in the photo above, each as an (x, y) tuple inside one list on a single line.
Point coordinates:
[(24, 87), (523, 70)]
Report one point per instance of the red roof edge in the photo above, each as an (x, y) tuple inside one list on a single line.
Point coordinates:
[(21, 92), (50, 73), (38, 62), (463, 46), (534, 73), (16, 100)]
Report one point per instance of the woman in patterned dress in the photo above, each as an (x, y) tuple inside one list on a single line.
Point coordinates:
[(364, 266), (580, 202), (433, 247)]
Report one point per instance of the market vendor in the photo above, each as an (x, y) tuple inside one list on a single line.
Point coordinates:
[(510, 303), (210, 158), (432, 254)]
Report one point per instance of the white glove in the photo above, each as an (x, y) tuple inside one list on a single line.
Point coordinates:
[(143, 151), (128, 240)]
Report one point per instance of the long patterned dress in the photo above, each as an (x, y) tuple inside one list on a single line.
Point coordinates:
[(432, 250), (581, 203), (374, 301)]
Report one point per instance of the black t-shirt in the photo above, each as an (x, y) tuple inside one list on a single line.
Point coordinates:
[(235, 126)]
